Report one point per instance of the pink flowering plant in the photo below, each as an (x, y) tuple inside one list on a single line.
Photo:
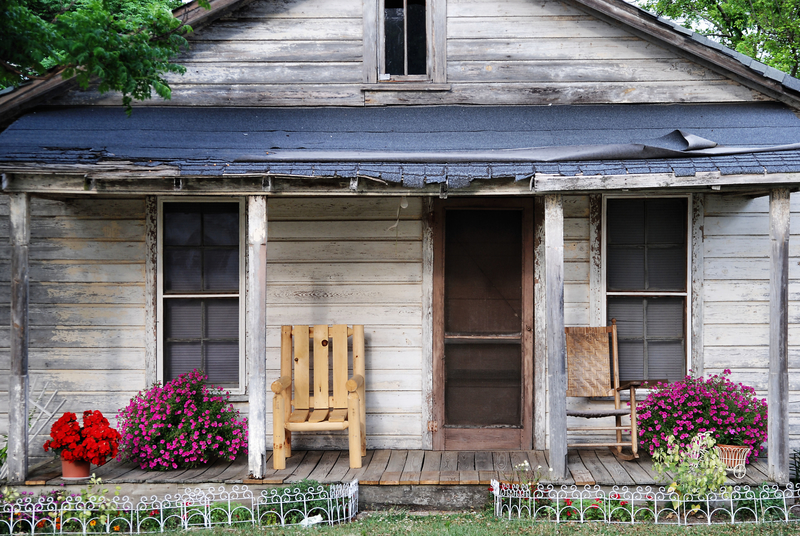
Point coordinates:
[(181, 424), (730, 412)]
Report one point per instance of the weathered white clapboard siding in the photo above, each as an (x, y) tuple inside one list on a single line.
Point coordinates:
[(86, 302), (736, 295), (311, 53), (340, 261), (5, 305)]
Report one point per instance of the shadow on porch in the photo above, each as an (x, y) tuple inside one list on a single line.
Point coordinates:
[(397, 468)]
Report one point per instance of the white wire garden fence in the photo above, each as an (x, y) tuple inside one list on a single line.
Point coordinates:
[(56, 513), (573, 504)]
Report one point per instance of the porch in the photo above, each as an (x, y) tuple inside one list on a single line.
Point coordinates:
[(408, 478)]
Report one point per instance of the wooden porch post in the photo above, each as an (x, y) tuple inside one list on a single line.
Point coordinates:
[(778, 386), (255, 333), (556, 340), (19, 232)]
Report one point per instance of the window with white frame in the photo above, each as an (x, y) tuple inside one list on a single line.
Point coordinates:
[(646, 245), (405, 41), (405, 38), (200, 290)]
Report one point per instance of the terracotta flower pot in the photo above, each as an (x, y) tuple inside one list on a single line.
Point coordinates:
[(72, 470)]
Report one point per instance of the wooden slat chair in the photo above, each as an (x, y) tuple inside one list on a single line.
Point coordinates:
[(345, 410), (592, 372)]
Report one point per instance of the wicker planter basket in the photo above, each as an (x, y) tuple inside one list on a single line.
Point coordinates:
[(734, 456)]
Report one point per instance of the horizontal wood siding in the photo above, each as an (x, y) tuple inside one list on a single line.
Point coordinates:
[(736, 293), (343, 261), (310, 53), (86, 303)]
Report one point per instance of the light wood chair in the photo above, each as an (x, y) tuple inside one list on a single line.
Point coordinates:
[(592, 372), (316, 411)]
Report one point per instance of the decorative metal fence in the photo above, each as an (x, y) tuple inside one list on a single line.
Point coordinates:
[(55, 513), (571, 504)]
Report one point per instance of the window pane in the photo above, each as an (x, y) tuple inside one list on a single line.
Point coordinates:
[(182, 319), (181, 227), (665, 360), (625, 221), (182, 270), (417, 48), (222, 228), (483, 384), (222, 363), (666, 268), (666, 221), (629, 313), (394, 37), (625, 268), (664, 317), (221, 267), (631, 360), (180, 358), (222, 319)]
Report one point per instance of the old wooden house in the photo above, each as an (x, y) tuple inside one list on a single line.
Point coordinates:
[(463, 177)]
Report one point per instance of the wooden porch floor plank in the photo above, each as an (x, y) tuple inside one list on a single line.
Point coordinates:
[(760, 464), (466, 460), (236, 471), (104, 469), (637, 473), (430, 468), (122, 472), (595, 466), (448, 469), (305, 468), (485, 477), (518, 459), (580, 474), (502, 464), (373, 474), (539, 463), (468, 478), (355, 474), (483, 461), (413, 468), (326, 463), (291, 464), (340, 468), (394, 469), (615, 468)]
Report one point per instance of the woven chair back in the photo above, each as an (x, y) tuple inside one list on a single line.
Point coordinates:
[(588, 361)]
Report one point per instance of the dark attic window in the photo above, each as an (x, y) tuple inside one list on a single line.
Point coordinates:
[(405, 41)]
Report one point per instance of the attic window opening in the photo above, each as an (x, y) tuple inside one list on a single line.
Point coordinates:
[(405, 38)]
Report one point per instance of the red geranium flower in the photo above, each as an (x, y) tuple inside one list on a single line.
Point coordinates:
[(95, 442)]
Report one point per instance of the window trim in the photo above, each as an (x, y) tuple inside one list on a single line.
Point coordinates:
[(687, 294), (240, 295), (436, 43)]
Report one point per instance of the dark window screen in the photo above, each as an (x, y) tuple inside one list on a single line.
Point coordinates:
[(646, 252), (201, 256), (482, 317), (405, 37)]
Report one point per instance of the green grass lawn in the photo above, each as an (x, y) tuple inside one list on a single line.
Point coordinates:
[(473, 524)]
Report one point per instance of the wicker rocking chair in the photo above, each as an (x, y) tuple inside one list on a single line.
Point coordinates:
[(592, 372)]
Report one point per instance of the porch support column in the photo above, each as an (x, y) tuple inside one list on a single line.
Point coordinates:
[(19, 231), (778, 386), (556, 341), (256, 333)]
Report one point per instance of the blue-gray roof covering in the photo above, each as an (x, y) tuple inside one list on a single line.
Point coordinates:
[(418, 145)]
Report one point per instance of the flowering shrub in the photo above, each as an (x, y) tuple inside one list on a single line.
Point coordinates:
[(181, 424), (93, 442), (730, 412), (697, 468)]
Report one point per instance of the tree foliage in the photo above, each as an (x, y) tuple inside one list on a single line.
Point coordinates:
[(127, 45), (767, 30)]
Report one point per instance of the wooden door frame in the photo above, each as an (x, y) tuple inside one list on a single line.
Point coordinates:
[(494, 438)]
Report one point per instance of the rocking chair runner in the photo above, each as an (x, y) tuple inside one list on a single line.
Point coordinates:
[(345, 410), (588, 375)]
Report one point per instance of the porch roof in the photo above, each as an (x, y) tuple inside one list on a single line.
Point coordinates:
[(415, 146)]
